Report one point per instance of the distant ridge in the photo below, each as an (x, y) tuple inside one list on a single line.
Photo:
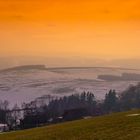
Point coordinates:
[(25, 67), (120, 68), (43, 67), (123, 77)]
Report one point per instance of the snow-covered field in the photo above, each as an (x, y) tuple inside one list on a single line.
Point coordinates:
[(25, 85)]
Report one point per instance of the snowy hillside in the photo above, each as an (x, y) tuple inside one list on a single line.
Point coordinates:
[(24, 84)]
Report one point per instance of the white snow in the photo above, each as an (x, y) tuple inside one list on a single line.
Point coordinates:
[(133, 115), (24, 86)]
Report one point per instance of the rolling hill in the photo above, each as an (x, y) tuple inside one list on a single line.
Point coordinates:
[(25, 83), (118, 126)]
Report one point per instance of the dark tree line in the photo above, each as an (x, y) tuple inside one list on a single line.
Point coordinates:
[(39, 112), (57, 107), (4, 105)]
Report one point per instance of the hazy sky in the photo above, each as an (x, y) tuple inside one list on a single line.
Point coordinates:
[(73, 30)]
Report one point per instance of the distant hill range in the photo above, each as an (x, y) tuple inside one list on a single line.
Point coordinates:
[(123, 77), (43, 67), (25, 67)]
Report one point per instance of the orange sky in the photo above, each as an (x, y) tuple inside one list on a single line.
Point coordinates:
[(105, 29)]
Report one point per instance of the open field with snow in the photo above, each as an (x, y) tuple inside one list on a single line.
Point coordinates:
[(19, 86)]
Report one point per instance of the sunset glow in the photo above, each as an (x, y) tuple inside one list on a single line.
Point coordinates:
[(102, 29)]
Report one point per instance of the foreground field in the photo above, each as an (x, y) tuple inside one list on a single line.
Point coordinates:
[(119, 126)]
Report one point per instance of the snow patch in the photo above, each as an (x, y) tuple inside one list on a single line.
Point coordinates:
[(133, 115)]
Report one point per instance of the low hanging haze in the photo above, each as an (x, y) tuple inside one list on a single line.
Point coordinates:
[(70, 32)]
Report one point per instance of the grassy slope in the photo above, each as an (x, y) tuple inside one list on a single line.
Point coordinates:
[(112, 127)]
